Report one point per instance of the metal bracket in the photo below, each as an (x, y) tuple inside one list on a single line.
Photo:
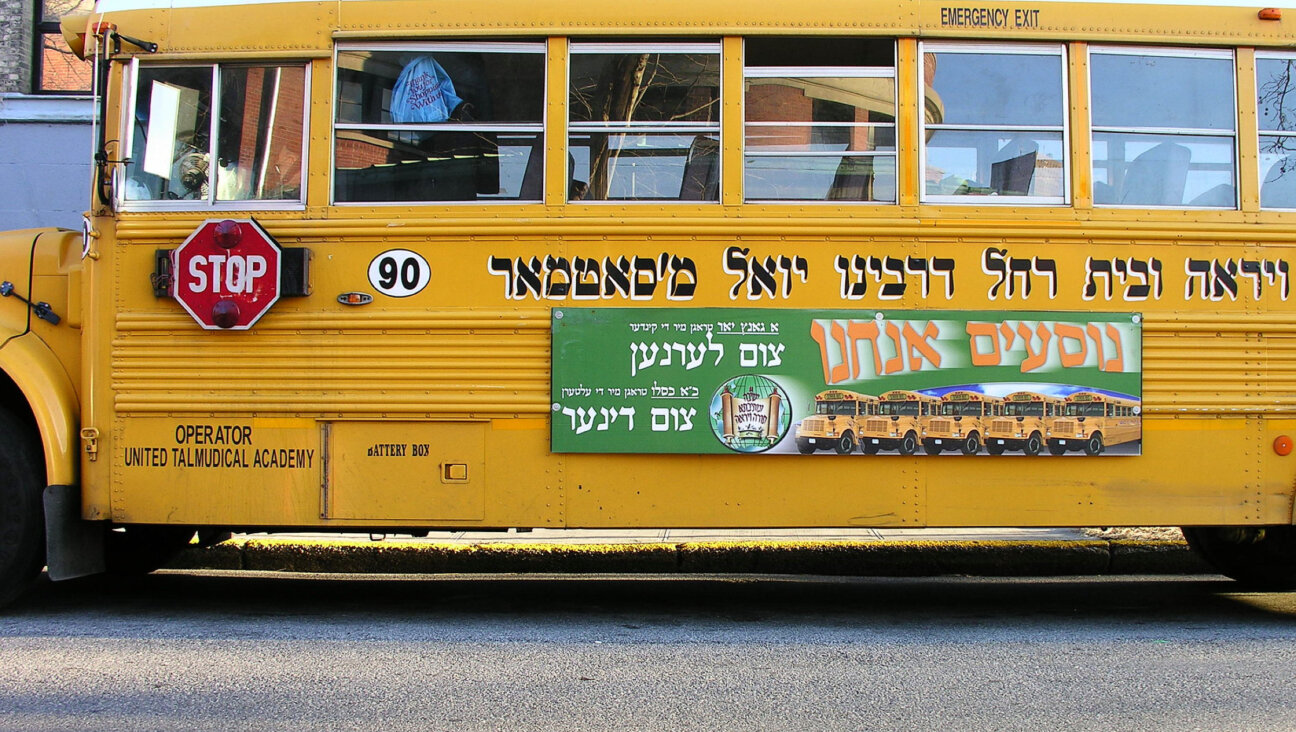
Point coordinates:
[(90, 436), (43, 310)]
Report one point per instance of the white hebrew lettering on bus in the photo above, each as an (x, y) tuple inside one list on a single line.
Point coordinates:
[(587, 278), (1214, 279), (855, 272), (1139, 278), (1013, 274), (584, 419), (771, 277), (672, 419), (690, 355)]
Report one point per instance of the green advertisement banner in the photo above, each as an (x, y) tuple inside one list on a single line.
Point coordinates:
[(724, 381)]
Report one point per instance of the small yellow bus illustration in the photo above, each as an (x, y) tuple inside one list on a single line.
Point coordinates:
[(1091, 421), (836, 422), (960, 422), (898, 425), (1024, 425)]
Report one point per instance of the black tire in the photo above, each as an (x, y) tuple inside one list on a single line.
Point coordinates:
[(845, 444), (1261, 557), (930, 447), (22, 515), (140, 549), (908, 444), (1094, 445), (994, 449), (803, 446), (869, 447), (971, 444), (1034, 444), (1056, 449)]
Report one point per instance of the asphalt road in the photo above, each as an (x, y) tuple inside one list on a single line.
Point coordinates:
[(233, 652)]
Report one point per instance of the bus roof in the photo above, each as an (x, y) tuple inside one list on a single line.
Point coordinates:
[(842, 395), (1081, 397), (962, 395), (1031, 396), (904, 395), (304, 26)]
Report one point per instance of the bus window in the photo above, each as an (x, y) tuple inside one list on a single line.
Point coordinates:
[(820, 120), (645, 121), (1276, 109), (1164, 127), (439, 122), (995, 124), (256, 154)]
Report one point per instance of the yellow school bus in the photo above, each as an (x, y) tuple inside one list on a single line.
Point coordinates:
[(361, 265), (901, 417), (1025, 424), (1094, 422), (837, 422), (961, 422)]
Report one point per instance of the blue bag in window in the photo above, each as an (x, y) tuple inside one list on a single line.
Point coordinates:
[(423, 93)]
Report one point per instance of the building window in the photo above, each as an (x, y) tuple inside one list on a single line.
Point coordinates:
[(56, 69), (1164, 127), (439, 122), (994, 128), (249, 154), (645, 121), (1276, 110), (819, 120)]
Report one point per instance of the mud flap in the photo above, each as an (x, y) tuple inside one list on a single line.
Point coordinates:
[(74, 547)]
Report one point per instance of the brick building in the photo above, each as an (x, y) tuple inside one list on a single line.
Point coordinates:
[(45, 116)]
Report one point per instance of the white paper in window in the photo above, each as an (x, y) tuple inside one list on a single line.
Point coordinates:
[(164, 113)]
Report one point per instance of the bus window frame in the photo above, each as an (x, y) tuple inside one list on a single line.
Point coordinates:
[(1262, 132), (130, 96), (820, 72), (1227, 53), (577, 47), (1060, 50), (538, 47)]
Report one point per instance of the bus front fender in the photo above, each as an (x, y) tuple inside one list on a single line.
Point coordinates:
[(49, 391)]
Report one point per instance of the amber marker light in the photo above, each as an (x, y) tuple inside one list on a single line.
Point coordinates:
[(1283, 445), (1270, 14)]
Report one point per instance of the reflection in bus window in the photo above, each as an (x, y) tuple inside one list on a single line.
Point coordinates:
[(257, 151), (995, 123), (1024, 409), (820, 120), (1085, 410), (645, 121), (1163, 128), (847, 408), (1276, 109), (439, 122), (903, 409)]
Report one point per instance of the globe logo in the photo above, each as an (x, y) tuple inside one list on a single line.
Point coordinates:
[(750, 413)]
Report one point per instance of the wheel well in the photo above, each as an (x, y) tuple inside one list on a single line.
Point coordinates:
[(14, 402)]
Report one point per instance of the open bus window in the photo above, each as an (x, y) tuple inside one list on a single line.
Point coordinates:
[(995, 123), (439, 122), (1164, 127), (251, 151), (819, 120), (645, 121), (1276, 109)]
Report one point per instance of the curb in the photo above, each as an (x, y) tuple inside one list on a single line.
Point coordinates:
[(844, 558)]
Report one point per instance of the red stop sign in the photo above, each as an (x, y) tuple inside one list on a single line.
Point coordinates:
[(226, 274)]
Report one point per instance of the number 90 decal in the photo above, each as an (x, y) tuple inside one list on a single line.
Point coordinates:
[(399, 273)]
